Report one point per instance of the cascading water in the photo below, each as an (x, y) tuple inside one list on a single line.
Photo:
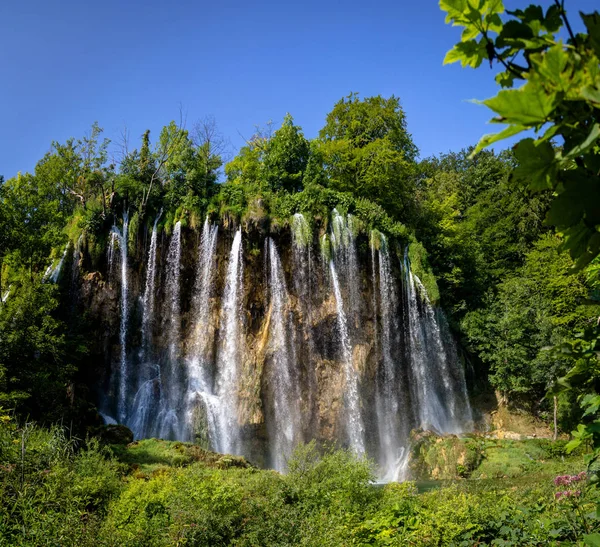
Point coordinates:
[(344, 252), (111, 254), (5, 295), (338, 352), (285, 424), (229, 358), (343, 233), (121, 237), (147, 398), (437, 384), (149, 292), (171, 374), (392, 419), (200, 388), (354, 424), (52, 274), (302, 279)]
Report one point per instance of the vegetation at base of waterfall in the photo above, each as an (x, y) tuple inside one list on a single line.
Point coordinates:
[(60, 490), (559, 102)]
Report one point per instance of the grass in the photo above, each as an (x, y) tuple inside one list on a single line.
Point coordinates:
[(149, 457), (511, 459)]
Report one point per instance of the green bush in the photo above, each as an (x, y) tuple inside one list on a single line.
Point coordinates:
[(51, 491)]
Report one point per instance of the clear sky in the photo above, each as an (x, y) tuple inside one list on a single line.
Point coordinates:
[(64, 65)]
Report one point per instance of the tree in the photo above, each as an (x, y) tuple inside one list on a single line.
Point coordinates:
[(367, 151), (212, 146), (476, 224), (77, 171), (559, 101), (286, 157), (536, 307), (33, 374), (34, 219)]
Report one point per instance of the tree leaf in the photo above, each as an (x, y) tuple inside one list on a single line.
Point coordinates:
[(528, 105), (592, 24), (550, 66), (537, 166), (505, 79), (454, 9), (566, 210), (591, 94), (491, 138), (470, 53), (589, 141), (576, 238)]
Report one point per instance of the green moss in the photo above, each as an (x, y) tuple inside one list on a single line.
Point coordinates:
[(325, 246), (148, 456), (444, 458), (420, 267), (132, 233), (253, 202), (302, 230)]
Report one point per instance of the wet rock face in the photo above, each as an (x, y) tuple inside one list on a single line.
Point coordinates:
[(299, 353)]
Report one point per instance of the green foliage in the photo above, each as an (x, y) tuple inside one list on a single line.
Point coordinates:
[(286, 157), (559, 100), (419, 265), (366, 149), (33, 350), (476, 225), (536, 308), (444, 458), (34, 220), (52, 493)]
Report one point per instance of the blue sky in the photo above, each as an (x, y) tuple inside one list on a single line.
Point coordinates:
[(66, 64)]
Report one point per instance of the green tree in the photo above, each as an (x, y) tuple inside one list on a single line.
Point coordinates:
[(476, 224), (286, 157), (559, 101), (368, 151), (537, 307), (34, 219), (33, 372), (77, 171)]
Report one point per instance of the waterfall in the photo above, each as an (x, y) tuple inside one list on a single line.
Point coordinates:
[(121, 237), (282, 374), (200, 389), (5, 295), (149, 292), (53, 273), (229, 358), (172, 290), (76, 258), (344, 253), (392, 420), (147, 399), (337, 350), (343, 233), (438, 382), (171, 380), (353, 419), (302, 278), (111, 255)]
